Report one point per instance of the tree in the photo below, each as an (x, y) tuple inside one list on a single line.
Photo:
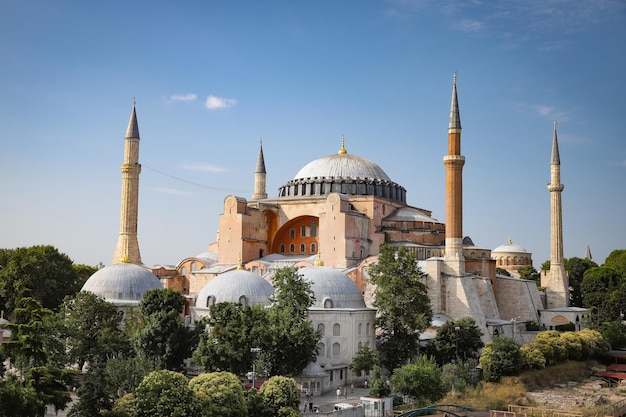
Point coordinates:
[(278, 393), (221, 394), (233, 330), (403, 305), (500, 358), (40, 272), (530, 273), (545, 266), (617, 261), (50, 384), (95, 394), (502, 271), (422, 381), (164, 339), (599, 286), (290, 341), (27, 346), (457, 339), (92, 329), (364, 360), (575, 268), (378, 386), (17, 400), (165, 393)]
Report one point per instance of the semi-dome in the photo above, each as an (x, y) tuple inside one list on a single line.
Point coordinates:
[(342, 173), (509, 247), (332, 288), (237, 286), (122, 283)]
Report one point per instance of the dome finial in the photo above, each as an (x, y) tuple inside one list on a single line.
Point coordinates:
[(240, 266), (318, 261), (342, 151), (510, 240)]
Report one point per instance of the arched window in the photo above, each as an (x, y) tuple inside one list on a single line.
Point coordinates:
[(210, 301), (282, 248), (321, 329), (336, 349), (193, 266), (367, 329), (292, 233), (303, 231), (336, 329), (322, 350), (313, 228), (360, 345), (302, 247), (313, 248), (328, 303), (292, 248), (360, 328), (243, 300), (183, 271)]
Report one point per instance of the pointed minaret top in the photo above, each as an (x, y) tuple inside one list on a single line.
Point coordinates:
[(133, 128), (318, 261), (455, 117), (588, 254), (342, 151), (556, 160), (260, 162)]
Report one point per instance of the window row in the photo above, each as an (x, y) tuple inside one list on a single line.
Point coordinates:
[(321, 328), (312, 231), (292, 248)]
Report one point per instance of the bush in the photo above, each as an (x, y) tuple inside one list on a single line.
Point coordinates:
[(500, 358)]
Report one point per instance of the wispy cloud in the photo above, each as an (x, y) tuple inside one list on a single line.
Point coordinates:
[(621, 163), (202, 167), (172, 191), (183, 97), (550, 112), (470, 26), (215, 103)]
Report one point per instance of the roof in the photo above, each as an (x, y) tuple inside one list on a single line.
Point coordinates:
[(329, 284), (409, 214), (342, 166), (509, 247), (121, 282), (233, 285)]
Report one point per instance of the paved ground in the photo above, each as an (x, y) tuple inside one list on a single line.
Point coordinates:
[(327, 401)]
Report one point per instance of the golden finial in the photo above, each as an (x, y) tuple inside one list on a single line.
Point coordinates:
[(510, 240), (240, 266), (454, 77), (134, 101), (342, 151), (318, 261), (124, 259)]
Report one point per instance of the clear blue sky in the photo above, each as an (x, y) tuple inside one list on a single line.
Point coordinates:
[(212, 77)]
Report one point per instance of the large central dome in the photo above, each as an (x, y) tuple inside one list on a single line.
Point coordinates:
[(342, 173), (342, 166)]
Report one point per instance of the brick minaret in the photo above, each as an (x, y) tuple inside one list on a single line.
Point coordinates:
[(556, 281), (454, 161), (127, 249), (259, 177)]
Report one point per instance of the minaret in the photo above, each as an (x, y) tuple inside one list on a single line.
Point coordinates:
[(259, 177), (454, 161), (588, 254), (127, 249), (556, 281)]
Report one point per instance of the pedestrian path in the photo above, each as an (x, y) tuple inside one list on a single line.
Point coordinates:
[(326, 402)]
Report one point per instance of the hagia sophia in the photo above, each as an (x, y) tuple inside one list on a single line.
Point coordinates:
[(330, 221)]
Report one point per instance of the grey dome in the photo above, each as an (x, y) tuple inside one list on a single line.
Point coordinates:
[(342, 166), (121, 282), (232, 286), (509, 247), (345, 174), (332, 288)]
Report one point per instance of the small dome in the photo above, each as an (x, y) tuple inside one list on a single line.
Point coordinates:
[(237, 286), (332, 288), (509, 247), (121, 282)]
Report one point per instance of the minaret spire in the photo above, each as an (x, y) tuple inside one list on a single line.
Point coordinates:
[(127, 249), (556, 280), (454, 161), (260, 176), (342, 151)]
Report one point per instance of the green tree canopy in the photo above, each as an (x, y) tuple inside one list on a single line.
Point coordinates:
[(364, 360), (617, 261), (530, 273), (221, 393), (17, 400), (422, 381), (40, 272), (401, 297), (601, 288), (457, 339), (233, 330), (278, 393), (290, 341), (165, 393), (164, 338), (576, 268), (91, 329), (500, 358), (378, 387)]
